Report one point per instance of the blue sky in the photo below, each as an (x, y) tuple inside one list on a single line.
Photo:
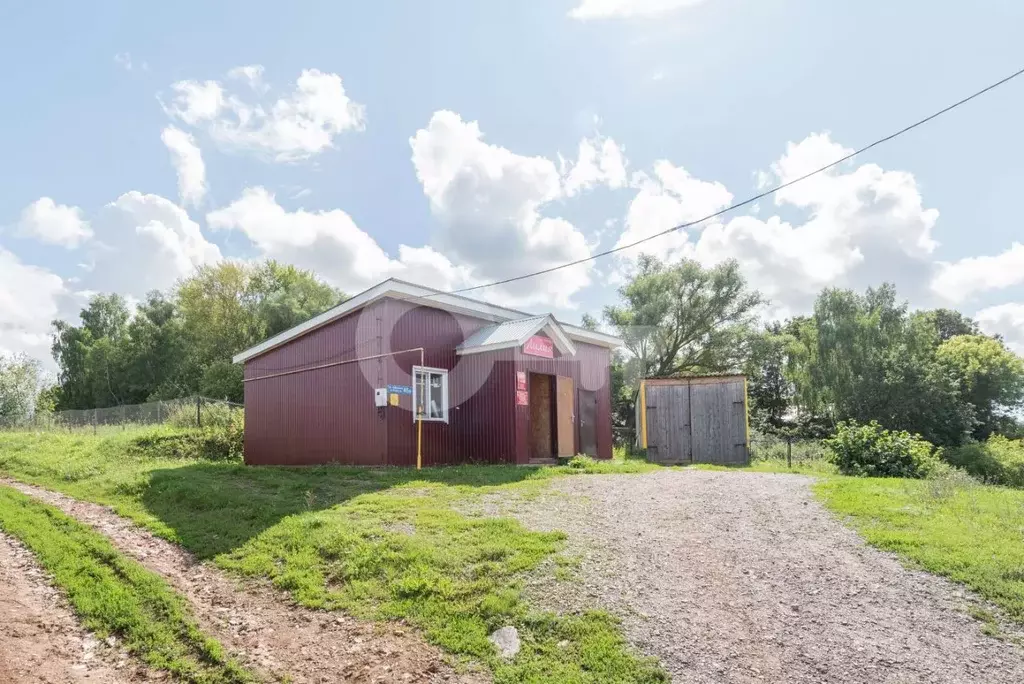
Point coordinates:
[(455, 129)]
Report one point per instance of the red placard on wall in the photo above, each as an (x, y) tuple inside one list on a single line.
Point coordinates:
[(522, 398), (520, 380), (539, 346)]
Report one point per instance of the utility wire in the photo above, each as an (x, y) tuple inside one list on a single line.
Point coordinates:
[(751, 200)]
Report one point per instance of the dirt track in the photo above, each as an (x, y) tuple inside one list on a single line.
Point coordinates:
[(40, 638), (261, 627), (744, 577)]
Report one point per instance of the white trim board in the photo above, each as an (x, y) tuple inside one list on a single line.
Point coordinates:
[(426, 296), (547, 324)]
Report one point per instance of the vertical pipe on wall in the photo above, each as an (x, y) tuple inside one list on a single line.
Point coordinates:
[(419, 424), (643, 414), (746, 417)]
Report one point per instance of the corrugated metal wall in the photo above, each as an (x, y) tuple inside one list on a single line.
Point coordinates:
[(320, 416), (481, 391), (328, 415)]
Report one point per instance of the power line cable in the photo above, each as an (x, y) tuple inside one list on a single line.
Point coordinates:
[(750, 200)]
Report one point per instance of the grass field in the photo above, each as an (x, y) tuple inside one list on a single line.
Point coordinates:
[(391, 543), (115, 595), (379, 544)]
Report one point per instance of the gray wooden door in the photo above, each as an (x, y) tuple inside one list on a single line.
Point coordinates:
[(588, 422), (719, 419), (668, 424)]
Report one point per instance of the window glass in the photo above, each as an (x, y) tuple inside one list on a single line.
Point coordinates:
[(430, 389)]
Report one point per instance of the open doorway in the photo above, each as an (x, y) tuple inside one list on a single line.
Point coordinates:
[(552, 417), (542, 417)]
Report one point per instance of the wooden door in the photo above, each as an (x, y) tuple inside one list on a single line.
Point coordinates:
[(566, 416), (668, 423), (719, 423), (542, 401), (588, 422)]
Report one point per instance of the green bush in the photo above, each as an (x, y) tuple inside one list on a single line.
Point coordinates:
[(998, 460), (872, 451), (581, 462), (211, 442), (211, 414)]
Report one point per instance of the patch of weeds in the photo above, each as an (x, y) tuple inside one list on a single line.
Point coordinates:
[(990, 626), (567, 567)]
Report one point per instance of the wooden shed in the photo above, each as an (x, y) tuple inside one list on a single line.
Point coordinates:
[(694, 420)]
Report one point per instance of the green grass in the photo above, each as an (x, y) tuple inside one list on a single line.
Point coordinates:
[(819, 467), (377, 543), (973, 534), (115, 595)]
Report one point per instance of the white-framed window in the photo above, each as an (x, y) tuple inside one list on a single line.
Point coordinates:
[(430, 393)]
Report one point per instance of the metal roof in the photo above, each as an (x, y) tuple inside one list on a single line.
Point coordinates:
[(426, 296), (514, 333), (509, 331)]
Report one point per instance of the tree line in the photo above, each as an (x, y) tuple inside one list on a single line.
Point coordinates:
[(856, 356), (179, 342)]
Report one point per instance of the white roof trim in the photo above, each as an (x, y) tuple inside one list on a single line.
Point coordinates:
[(546, 323), (427, 296)]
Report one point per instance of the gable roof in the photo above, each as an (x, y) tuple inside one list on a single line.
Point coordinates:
[(426, 296), (515, 333)]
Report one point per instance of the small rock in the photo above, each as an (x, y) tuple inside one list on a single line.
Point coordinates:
[(507, 641)]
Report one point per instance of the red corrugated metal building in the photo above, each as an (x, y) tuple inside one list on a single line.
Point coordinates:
[(492, 385)]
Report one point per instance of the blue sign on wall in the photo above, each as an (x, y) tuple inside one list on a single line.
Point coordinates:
[(399, 389)]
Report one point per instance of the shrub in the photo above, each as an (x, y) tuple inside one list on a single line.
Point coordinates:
[(998, 460), (945, 480), (581, 462), (872, 451), (212, 414), (211, 442)]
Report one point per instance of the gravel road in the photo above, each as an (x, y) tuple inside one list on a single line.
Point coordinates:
[(743, 577)]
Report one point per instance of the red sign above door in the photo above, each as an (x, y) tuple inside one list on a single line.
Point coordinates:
[(539, 346)]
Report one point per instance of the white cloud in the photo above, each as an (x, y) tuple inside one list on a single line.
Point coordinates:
[(1006, 320), (195, 102), (125, 61), (30, 299), (601, 161), (606, 9), (188, 164), (668, 199), (330, 243), (864, 226), (489, 200), (961, 280), (252, 74), (292, 128), (55, 224), (144, 242)]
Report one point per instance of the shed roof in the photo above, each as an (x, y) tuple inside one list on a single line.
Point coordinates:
[(515, 333), (427, 296)]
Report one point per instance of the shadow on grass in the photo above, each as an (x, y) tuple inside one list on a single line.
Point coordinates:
[(214, 508)]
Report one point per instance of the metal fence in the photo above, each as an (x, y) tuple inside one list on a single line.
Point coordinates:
[(765, 447), (184, 412)]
